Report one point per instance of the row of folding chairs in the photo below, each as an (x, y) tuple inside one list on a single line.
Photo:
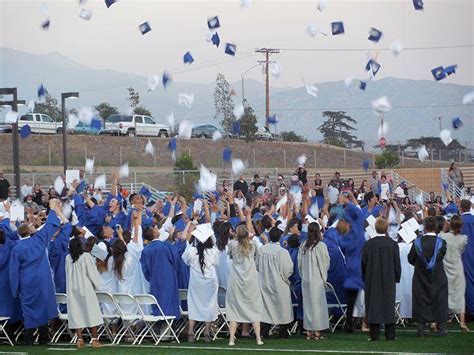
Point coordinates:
[(132, 311)]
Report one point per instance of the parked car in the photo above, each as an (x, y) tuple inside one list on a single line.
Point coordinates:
[(207, 131), (140, 125), (263, 134), (40, 123), (5, 128)]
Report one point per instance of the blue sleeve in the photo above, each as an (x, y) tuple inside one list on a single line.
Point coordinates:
[(97, 214), (303, 236), (145, 268), (14, 271), (105, 206), (51, 226), (80, 209), (9, 234)]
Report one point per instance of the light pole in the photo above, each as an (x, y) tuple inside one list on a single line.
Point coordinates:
[(242, 76), (64, 96), (16, 146)]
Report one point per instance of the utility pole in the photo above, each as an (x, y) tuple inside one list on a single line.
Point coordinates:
[(440, 119), (15, 142), (266, 62)]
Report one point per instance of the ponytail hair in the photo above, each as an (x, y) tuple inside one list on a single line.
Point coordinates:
[(314, 236), (75, 249), (201, 247)]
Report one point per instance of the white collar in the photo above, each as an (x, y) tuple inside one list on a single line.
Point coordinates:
[(431, 233), (466, 213), (379, 235), (25, 238)]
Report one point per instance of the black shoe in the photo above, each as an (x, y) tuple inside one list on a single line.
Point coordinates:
[(348, 328)]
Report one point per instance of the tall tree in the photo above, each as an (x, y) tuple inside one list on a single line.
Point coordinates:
[(134, 100), (223, 103), (248, 123), (105, 109), (50, 107), (291, 136), (337, 130)]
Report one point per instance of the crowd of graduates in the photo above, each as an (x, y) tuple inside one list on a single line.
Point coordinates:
[(276, 247)]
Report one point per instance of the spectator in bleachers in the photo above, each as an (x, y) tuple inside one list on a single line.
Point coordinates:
[(26, 189), (256, 182), (374, 183), (241, 185), (4, 187)]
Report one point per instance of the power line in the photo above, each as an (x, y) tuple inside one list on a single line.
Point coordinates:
[(372, 49)]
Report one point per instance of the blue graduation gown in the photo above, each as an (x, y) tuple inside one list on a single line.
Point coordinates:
[(183, 269), (92, 218), (160, 267), (337, 266), (351, 245), (147, 220), (9, 306), (295, 282), (58, 249), (468, 260), (30, 275), (375, 211)]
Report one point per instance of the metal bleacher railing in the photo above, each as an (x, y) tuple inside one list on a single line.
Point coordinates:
[(452, 187)]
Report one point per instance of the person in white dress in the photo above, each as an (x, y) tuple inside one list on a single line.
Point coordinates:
[(82, 280), (202, 256), (456, 244)]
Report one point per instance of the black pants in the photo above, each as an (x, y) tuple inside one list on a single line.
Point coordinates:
[(351, 299), (43, 335), (375, 331), (441, 326)]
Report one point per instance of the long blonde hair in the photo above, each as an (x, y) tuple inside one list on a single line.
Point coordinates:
[(242, 236)]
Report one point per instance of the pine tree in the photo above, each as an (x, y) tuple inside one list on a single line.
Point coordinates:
[(248, 122), (223, 103), (336, 130)]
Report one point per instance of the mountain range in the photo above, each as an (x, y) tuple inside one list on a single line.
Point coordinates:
[(417, 104)]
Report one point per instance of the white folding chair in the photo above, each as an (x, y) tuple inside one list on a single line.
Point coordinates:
[(3, 324), (338, 305), (150, 320), (61, 299), (222, 319), (400, 320), (106, 301), (130, 315)]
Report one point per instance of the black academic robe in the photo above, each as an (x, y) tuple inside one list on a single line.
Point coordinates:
[(430, 287), (381, 272)]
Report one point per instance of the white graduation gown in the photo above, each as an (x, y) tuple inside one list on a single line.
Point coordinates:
[(109, 284), (404, 288)]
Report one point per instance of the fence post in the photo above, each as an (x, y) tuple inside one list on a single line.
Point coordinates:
[(33, 178), (121, 155), (314, 153), (49, 154), (373, 160), (184, 179), (403, 159), (344, 158), (85, 153), (135, 177), (189, 151), (254, 163), (284, 158)]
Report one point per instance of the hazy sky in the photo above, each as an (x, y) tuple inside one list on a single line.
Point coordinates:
[(111, 40)]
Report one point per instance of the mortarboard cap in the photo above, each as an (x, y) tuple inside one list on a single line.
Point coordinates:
[(239, 110), (185, 129), (423, 153), (149, 148), (457, 123), (366, 164), (11, 117), (396, 47), (257, 216), (213, 23), (237, 166), (100, 182), (203, 232), (172, 144), (362, 85), (25, 131), (96, 124), (81, 187), (145, 192), (312, 90), (337, 28), (381, 105), (216, 135), (179, 225), (215, 39), (272, 120), (445, 136), (418, 4), (348, 82), (166, 79), (59, 185), (230, 49), (188, 58), (372, 66), (109, 3), (85, 14), (207, 180), (468, 98), (236, 127), (438, 73), (89, 167), (451, 69), (374, 35), (124, 171), (144, 28), (227, 154), (42, 91), (185, 100), (153, 81), (45, 24)]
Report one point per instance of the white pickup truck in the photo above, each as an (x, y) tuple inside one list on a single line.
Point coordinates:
[(140, 125), (40, 123)]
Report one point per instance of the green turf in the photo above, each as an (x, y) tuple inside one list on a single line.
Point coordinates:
[(407, 342)]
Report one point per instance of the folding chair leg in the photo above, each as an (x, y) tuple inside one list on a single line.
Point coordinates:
[(2, 330)]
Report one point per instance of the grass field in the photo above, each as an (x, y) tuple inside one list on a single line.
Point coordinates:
[(338, 342)]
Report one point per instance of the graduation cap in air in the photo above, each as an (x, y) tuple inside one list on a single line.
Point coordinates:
[(45, 24), (272, 120), (81, 187), (144, 191), (85, 14), (438, 73), (109, 3), (468, 98), (213, 23), (188, 58), (227, 154), (362, 85), (25, 131), (215, 39), (96, 124), (366, 164), (374, 35), (144, 28), (372, 66), (230, 49), (457, 123), (337, 28), (42, 92), (236, 127), (234, 221), (451, 69), (179, 224), (172, 144), (418, 4), (166, 79), (257, 217)]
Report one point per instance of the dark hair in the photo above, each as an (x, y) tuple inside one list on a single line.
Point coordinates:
[(100, 234), (267, 222), (75, 249), (256, 176), (119, 248), (90, 242), (368, 196), (293, 241), (130, 198), (440, 223), (224, 235), (201, 247), (292, 222), (456, 224), (127, 236), (314, 236), (432, 211), (148, 233), (76, 232), (465, 205), (275, 235), (24, 230), (2, 236), (430, 224)]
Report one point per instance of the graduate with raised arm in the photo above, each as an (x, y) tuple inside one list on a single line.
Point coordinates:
[(9, 306), (114, 215), (30, 276), (160, 268), (88, 213), (137, 200)]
